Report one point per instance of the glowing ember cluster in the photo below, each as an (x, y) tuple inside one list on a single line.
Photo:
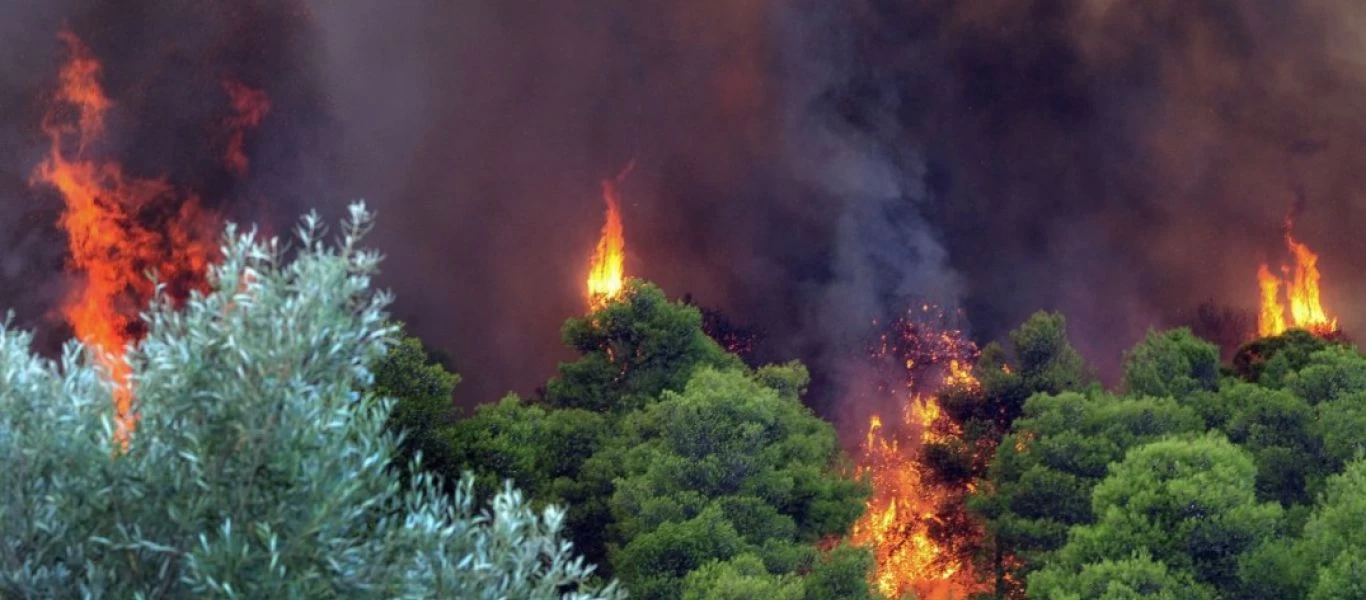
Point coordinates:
[(928, 355), (1301, 294)]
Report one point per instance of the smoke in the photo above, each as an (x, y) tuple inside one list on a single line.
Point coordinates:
[(1120, 162), (883, 256), (805, 167)]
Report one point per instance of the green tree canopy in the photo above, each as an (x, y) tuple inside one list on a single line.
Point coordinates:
[(1333, 547), (1138, 577), (1267, 360), (1171, 364), (635, 347), (729, 458), (1038, 360), (1044, 472), (675, 457), (421, 389), (1190, 504)]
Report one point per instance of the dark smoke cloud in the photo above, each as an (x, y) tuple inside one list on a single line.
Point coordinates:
[(805, 167), (1124, 161)]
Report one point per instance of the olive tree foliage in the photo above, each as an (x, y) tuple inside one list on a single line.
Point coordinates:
[(256, 468)]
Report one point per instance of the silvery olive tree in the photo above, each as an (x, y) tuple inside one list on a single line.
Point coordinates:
[(257, 469)]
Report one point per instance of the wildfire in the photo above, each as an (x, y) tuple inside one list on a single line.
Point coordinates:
[(900, 515), (607, 272), (118, 227), (1301, 293)]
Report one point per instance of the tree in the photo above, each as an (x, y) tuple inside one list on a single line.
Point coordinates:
[(257, 468), (1333, 546), (1277, 428), (1326, 560), (421, 389), (733, 464), (635, 347), (1339, 426), (1039, 360), (1171, 364), (1190, 504), (1043, 473), (1125, 579), (741, 578), (1268, 359), (1328, 374), (674, 455), (547, 451)]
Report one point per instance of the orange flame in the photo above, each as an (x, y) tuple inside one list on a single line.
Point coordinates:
[(249, 107), (109, 221), (1301, 290), (607, 272), (1271, 319), (903, 509)]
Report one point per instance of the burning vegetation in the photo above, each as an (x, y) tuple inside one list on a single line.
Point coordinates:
[(924, 355), (607, 270), (691, 470), (1291, 300)]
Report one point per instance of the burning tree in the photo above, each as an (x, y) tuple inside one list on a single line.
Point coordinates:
[(919, 354), (1302, 308), (607, 270)]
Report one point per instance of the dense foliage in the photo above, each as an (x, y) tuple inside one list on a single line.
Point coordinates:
[(292, 442), (1190, 481), (689, 474), (258, 469)]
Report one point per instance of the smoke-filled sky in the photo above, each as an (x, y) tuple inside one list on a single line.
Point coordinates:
[(804, 165)]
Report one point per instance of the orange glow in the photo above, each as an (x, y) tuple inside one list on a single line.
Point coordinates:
[(1301, 293), (108, 222), (607, 272), (904, 506), (249, 107), (1271, 318)]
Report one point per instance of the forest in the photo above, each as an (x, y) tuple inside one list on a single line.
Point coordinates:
[(290, 440)]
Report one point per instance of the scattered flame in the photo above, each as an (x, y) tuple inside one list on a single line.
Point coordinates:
[(249, 106), (1301, 293), (119, 227), (607, 272), (897, 523)]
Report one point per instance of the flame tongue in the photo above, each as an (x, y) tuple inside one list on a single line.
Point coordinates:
[(1301, 290), (607, 272), (118, 227)]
